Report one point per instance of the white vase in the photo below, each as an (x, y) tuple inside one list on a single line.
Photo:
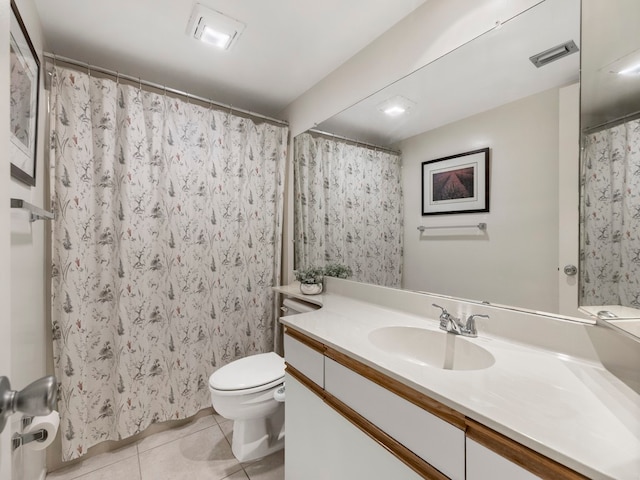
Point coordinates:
[(311, 288)]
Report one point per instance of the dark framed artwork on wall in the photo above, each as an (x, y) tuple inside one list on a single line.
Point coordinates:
[(456, 184), (23, 99)]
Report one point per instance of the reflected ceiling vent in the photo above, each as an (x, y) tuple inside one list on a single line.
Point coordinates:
[(213, 27), (553, 54)]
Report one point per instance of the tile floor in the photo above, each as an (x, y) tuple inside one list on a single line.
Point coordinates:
[(200, 450)]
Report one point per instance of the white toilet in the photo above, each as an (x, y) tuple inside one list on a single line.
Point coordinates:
[(243, 391), (250, 391)]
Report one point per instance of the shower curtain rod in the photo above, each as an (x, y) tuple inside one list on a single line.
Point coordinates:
[(357, 142), (613, 123), (222, 106)]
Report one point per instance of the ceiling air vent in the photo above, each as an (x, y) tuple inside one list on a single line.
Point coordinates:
[(213, 27), (553, 54)]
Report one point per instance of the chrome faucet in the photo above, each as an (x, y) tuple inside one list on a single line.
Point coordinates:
[(451, 324)]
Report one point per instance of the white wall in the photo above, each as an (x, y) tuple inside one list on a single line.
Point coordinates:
[(515, 263), (28, 269), (5, 296)]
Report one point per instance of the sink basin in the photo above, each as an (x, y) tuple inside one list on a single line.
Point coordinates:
[(433, 348)]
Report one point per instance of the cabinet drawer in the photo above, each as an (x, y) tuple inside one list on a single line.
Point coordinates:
[(437, 442), (305, 359), (483, 464)]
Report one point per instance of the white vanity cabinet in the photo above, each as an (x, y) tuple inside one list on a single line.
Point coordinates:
[(346, 420), (321, 444)]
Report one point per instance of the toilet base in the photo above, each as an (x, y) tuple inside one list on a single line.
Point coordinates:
[(259, 437)]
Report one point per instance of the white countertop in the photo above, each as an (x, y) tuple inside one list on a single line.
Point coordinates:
[(571, 410)]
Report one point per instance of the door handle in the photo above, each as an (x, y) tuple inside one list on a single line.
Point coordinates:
[(37, 398), (570, 270)]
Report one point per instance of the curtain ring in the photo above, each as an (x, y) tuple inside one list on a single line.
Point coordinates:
[(89, 70), (139, 84), (117, 79)]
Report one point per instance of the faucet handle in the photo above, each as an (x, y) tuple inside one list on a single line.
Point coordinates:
[(445, 317), (470, 327), (444, 310)]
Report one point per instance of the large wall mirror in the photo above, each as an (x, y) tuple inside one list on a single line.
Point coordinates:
[(610, 167), (358, 175)]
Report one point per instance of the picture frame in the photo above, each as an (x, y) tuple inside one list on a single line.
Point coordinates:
[(24, 101), (456, 184)]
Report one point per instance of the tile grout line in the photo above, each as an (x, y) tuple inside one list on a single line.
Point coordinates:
[(93, 470), (138, 457)]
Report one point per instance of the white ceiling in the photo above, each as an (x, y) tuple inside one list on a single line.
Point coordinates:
[(489, 71), (286, 48), (611, 43)]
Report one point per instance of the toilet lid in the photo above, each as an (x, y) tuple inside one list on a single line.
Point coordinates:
[(248, 372)]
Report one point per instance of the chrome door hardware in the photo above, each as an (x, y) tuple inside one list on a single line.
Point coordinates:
[(570, 270), (37, 398)]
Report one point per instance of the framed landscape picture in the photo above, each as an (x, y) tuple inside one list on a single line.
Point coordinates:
[(23, 95), (456, 184)]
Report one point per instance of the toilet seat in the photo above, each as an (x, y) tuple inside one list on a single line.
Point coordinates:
[(248, 375)]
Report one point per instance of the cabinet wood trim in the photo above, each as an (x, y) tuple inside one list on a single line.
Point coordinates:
[(306, 381), (306, 340), (432, 406), (523, 456)]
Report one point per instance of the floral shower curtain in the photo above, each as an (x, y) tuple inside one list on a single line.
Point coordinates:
[(610, 220), (165, 247), (348, 208)]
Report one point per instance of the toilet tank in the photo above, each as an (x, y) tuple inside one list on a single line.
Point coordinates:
[(292, 306)]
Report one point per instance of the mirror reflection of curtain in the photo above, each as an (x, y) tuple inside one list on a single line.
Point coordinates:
[(165, 249), (610, 220), (348, 208)]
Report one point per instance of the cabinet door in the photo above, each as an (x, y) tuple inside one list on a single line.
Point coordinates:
[(320, 444), (484, 464), (437, 442)]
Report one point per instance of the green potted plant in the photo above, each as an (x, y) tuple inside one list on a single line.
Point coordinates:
[(310, 279), (337, 270)]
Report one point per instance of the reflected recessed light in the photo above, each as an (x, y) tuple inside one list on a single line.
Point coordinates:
[(396, 106), (214, 28), (630, 71), (394, 110)]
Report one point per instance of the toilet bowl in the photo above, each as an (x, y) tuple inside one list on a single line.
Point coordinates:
[(250, 391), (244, 391)]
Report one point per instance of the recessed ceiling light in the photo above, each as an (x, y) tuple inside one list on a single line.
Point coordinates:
[(396, 106), (213, 27)]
